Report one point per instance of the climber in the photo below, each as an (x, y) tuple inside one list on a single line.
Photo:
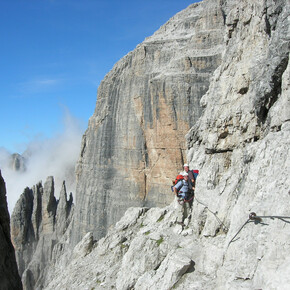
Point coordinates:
[(190, 173), (184, 188)]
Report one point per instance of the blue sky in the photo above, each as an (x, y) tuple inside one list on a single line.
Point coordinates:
[(54, 53)]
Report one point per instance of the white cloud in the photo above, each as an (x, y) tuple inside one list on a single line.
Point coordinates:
[(56, 156), (38, 85)]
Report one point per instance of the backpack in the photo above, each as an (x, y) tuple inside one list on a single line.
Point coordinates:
[(177, 179), (195, 173), (180, 177)]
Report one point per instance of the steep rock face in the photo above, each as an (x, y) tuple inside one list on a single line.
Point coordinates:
[(9, 277), (135, 142), (240, 144), (38, 225)]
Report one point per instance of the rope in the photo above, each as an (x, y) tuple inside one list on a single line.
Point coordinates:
[(258, 219), (225, 228), (239, 231), (282, 218)]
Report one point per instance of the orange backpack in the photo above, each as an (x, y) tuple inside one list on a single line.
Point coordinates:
[(178, 178)]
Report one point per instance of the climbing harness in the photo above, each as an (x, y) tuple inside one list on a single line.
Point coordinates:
[(182, 200), (253, 217)]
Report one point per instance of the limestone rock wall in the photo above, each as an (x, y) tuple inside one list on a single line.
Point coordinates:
[(39, 225), (238, 139), (240, 144), (9, 277), (134, 144)]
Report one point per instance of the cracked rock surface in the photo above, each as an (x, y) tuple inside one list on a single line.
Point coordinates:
[(230, 61), (240, 144), (135, 141)]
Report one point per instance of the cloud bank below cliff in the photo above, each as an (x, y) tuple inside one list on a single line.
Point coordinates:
[(55, 156)]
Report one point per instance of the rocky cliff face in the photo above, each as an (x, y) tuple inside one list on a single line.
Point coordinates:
[(236, 103), (39, 225), (9, 277), (240, 144), (135, 140)]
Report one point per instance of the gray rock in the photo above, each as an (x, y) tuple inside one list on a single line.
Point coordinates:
[(14, 162), (39, 225), (134, 144), (239, 141), (17, 162), (146, 254), (9, 277), (240, 144), (84, 247)]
